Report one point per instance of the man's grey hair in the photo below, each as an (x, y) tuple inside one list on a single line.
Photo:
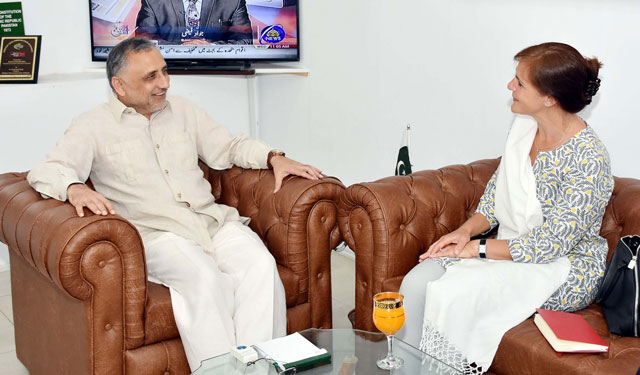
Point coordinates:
[(117, 58)]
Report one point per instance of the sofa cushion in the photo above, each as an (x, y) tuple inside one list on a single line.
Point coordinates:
[(392, 284), (299, 317), (291, 283), (159, 324), (166, 357), (523, 350)]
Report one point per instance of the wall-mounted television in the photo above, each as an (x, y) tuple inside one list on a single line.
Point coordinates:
[(200, 34)]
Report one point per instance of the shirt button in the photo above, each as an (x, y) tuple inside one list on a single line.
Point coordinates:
[(166, 171), (179, 195), (157, 146)]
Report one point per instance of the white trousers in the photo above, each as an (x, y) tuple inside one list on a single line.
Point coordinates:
[(221, 297), (414, 289)]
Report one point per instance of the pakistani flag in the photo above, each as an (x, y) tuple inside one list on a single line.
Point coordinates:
[(403, 165)]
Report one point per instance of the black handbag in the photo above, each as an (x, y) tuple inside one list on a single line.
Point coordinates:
[(619, 294)]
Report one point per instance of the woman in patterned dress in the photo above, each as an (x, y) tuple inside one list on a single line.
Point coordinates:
[(573, 183)]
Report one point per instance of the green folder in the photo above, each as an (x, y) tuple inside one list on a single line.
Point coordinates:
[(309, 362)]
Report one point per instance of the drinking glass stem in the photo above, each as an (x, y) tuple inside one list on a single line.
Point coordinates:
[(390, 346)]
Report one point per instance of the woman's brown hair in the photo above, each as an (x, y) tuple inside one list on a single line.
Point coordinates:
[(559, 70)]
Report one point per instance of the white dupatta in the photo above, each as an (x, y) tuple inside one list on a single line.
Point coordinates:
[(468, 310)]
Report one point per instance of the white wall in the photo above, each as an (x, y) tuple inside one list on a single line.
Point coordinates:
[(443, 66)]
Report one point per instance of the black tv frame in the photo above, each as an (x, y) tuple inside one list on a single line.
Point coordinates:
[(209, 65)]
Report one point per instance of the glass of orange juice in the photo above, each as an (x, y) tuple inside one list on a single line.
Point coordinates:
[(388, 316)]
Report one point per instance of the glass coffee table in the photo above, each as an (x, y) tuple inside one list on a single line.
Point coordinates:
[(352, 352)]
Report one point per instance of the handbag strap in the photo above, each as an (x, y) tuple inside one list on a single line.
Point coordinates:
[(620, 259)]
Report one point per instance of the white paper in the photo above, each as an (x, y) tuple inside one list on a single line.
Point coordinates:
[(289, 349)]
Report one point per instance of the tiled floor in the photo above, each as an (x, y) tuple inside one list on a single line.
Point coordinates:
[(8, 361), (342, 284)]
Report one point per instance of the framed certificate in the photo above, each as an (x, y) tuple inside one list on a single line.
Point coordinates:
[(19, 58)]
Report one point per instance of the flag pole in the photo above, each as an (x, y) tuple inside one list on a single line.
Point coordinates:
[(409, 141)]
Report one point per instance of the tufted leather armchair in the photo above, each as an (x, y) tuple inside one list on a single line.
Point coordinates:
[(81, 300), (390, 222)]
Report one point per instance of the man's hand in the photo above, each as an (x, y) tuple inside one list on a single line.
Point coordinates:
[(80, 196), (283, 166)]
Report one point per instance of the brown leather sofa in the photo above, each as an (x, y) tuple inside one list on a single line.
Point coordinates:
[(81, 300), (389, 222)]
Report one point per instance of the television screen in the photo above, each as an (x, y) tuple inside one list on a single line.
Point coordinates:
[(200, 30)]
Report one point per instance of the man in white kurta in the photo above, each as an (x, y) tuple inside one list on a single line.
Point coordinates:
[(141, 151)]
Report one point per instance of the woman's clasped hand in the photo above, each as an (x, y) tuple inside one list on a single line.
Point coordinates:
[(456, 244)]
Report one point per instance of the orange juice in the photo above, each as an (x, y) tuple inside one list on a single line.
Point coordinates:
[(388, 321), (388, 312)]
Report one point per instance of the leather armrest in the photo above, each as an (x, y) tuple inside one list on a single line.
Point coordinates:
[(390, 222), (298, 224), (94, 258)]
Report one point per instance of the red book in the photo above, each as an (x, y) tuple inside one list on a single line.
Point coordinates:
[(568, 333)]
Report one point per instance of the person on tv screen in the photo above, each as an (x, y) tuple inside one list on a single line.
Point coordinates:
[(205, 22), (141, 150)]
